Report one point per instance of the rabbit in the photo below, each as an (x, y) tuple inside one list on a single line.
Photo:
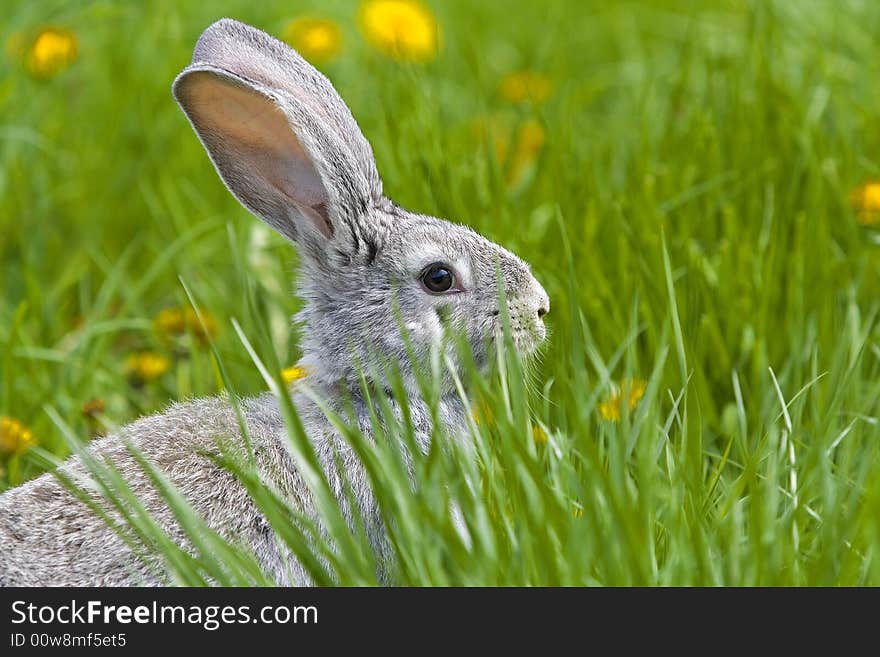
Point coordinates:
[(288, 148)]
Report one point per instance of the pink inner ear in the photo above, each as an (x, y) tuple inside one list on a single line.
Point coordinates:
[(256, 136)]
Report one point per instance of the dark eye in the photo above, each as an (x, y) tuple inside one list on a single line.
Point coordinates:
[(438, 278)]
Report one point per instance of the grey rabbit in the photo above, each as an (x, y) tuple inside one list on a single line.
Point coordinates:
[(288, 148)]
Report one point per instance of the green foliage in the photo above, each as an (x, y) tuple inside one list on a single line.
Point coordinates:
[(686, 206)]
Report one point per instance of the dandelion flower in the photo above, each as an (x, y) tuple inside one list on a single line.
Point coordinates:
[(529, 140), (539, 435), (294, 373), (170, 321), (316, 39), (53, 50), (201, 324), (522, 86), (578, 512), (93, 407), (481, 412), (175, 321), (518, 150), (628, 392), (866, 202), (15, 438), (146, 366), (402, 29)]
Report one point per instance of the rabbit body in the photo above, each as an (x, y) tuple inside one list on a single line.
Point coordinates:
[(288, 148), (50, 538)]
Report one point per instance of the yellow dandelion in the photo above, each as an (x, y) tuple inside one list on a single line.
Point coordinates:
[(294, 373), (529, 140), (170, 321), (146, 366), (201, 324), (15, 437), (481, 412), (316, 39), (402, 29), (516, 147), (93, 407), (578, 512), (518, 151), (539, 435), (175, 321), (522, 86), (53, 50), (866, 202), (631, 391)]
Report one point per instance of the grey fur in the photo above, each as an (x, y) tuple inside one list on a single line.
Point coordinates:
[(361, 258)]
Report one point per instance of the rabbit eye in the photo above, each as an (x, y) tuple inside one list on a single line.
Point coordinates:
[(437, 278)]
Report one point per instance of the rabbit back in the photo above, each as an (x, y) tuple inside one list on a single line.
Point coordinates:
[(50, 538)]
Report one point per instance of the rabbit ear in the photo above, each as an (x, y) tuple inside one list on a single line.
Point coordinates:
[(279, 135)]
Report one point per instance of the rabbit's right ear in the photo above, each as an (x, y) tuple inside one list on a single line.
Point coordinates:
[(280, 137)]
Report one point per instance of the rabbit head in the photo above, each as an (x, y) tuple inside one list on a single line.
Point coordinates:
[(288, 148)]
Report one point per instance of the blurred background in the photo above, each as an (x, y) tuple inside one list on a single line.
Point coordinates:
[(581, 135)]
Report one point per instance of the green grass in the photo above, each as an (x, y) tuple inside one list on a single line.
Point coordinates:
[(688, 214)]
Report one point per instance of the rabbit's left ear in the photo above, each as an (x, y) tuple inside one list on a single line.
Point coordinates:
[(281, 138)]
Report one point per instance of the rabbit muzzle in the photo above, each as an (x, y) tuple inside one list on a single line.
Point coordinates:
[(527, 311)]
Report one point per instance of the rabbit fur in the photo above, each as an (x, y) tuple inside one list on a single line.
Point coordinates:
[(287, 146)]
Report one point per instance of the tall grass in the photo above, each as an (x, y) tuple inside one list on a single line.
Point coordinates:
[(688, 213)]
